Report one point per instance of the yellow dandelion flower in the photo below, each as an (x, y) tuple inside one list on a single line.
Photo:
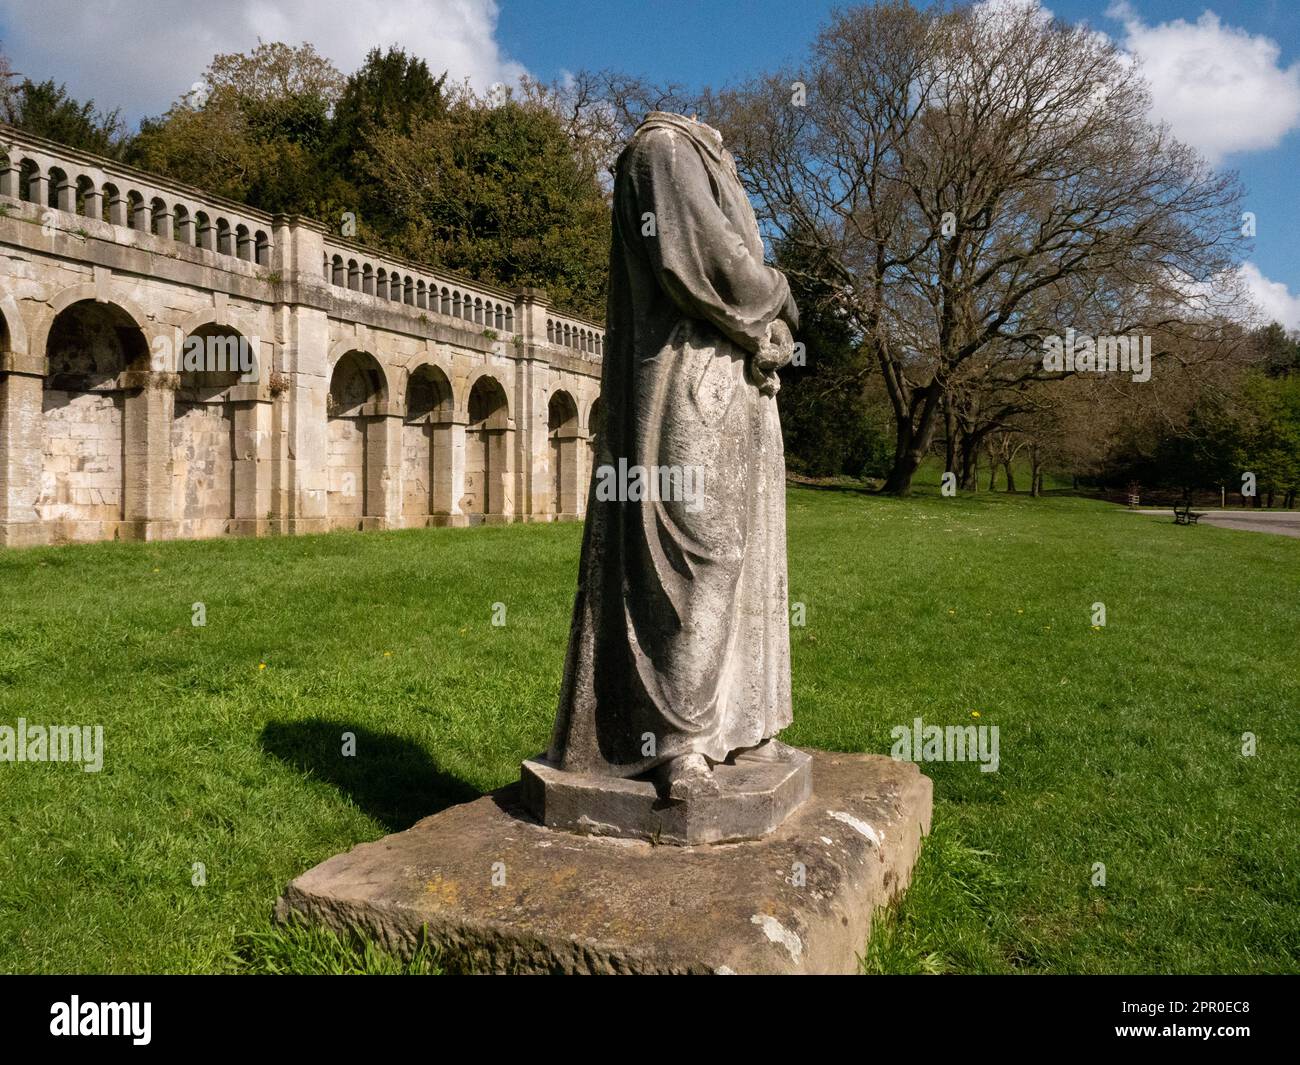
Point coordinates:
[(261, 665)]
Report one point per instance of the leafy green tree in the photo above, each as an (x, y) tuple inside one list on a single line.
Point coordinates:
[(1268, 436), (1279, 350), (47, 109), (256, 131), (496, 192)]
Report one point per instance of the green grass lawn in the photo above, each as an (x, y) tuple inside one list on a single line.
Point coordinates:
[(1119, 745)]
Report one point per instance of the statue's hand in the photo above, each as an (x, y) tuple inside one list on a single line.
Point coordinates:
[(777, 348)]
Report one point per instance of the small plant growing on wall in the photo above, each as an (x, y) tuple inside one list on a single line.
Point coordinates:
[(279, 384), (491, 334)]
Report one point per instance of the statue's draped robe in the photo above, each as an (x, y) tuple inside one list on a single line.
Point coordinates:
[(680, 639)]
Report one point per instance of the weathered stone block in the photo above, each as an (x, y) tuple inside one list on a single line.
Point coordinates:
[(500, 893)]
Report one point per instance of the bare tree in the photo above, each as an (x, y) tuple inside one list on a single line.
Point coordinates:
[(968, 181)]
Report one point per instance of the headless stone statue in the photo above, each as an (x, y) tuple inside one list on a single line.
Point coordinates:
[(679, 653)]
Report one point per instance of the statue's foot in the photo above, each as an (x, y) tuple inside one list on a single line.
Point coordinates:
[(767, 751), (688, 776)]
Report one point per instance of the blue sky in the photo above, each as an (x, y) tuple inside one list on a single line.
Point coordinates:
[(1225, 75)]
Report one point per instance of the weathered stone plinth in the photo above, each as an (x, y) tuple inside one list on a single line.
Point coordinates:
[(500, 893), (755, 796)]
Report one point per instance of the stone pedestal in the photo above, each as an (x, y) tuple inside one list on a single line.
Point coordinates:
[(499, 893), (755, 795)]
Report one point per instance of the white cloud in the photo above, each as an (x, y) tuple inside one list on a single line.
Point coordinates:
[(1273, 298), (143, 54), (1220, 88)]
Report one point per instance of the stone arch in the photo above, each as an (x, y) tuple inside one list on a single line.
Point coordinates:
[(392, 385), (356, 409), (62, 191), (183, 225), (90, 407), (239, 321), (139, 214), (87, 197), (14, 328), (88, 292), (563, 438), (30, 181), (114, 205), (427, 444), (488, 439), (203, 429), (205, 232), (160, 218)]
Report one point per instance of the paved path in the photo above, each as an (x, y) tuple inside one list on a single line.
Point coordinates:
[(1281, 522)]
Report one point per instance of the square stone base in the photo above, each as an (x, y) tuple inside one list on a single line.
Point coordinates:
[(500, 893)]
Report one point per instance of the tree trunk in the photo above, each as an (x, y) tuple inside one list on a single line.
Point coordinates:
[(1011, 476), (950, 435), (993, 473), (969, 480), (913, 433), (1035, 474)]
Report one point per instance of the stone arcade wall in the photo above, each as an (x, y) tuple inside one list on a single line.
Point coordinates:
[(387, 394)]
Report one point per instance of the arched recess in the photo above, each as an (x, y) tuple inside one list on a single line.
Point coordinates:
[(356, 423), (203, 429), (563, 436), (487, 453), (86, 419), (427, 445)]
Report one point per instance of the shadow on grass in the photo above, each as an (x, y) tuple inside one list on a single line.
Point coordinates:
[(845, 487), (390, 778)]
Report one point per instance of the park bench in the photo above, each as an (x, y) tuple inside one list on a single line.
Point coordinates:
[(1185, 515)]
